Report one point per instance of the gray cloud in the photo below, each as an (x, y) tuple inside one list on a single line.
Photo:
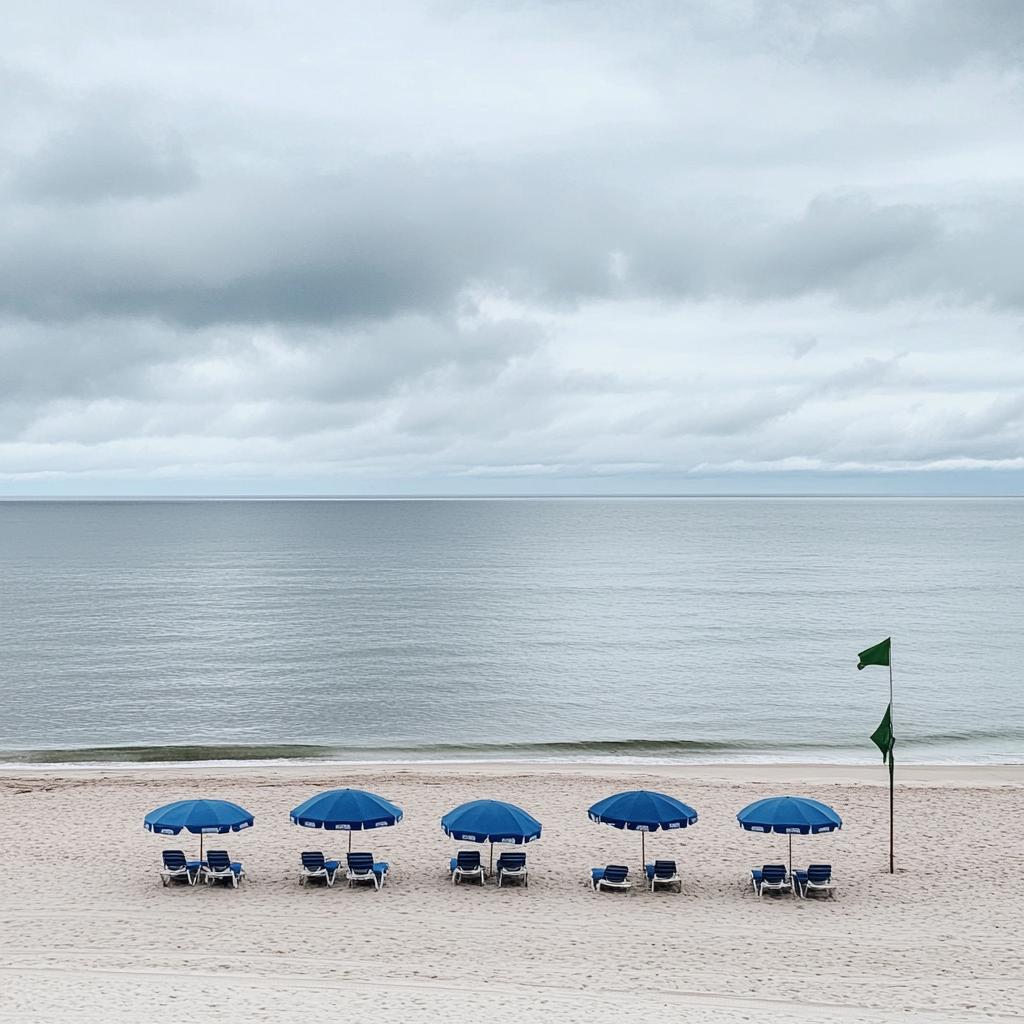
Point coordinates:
[(906, 37), (393, 241), (897, 38), (103, 157)]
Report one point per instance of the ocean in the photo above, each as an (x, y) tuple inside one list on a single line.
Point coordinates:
[(619, 629)]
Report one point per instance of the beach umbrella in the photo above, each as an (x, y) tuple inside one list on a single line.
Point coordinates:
[(347, 810), (491, 821), (642, 811), (789, 815), (200, 817)]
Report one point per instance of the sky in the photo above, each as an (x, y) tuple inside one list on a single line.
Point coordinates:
[(534, 246)]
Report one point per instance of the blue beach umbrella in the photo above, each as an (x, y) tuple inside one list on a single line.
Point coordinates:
[(491, 821), (642, 811), (200, 817), (789, 815), (346, 810)]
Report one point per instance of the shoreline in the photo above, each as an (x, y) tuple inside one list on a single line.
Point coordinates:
[(812, 773), (612, 752)]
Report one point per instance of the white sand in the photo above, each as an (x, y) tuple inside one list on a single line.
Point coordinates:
[(89, 934)]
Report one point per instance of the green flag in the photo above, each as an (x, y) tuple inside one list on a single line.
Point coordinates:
[(877, 655), (882, 737)]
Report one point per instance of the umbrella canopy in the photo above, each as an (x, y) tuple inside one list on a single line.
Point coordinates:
[(198, 817), (790, 815), (491, 821), (349, 810), (642, 811)]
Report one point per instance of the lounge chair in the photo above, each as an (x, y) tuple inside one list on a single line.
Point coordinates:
[(614, 876), (817, 878), (663, 872), (176, 868), (466, 865), (220, 867), (315, 867), (512, 865), (361, 868), (772, 877)]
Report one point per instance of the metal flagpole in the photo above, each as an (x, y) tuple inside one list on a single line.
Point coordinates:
[(892, 768)]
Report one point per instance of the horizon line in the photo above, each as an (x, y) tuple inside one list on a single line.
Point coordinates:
[(511, 496)]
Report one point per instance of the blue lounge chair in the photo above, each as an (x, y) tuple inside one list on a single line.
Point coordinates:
[(663, 872), (177, 869), (817, 878), (512, 866), (315, 867), (220, 867), (361, 868), (772, 877), (466, 865), (614, 876)]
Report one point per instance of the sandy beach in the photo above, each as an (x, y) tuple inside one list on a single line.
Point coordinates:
[(89, 934)]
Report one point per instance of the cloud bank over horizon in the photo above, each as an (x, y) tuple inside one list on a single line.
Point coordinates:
[(511, 246)]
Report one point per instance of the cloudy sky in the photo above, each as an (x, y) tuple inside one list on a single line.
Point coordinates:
[(507, 247)]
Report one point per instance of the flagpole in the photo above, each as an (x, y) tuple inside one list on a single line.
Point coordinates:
[(884, 737), (892, 769)]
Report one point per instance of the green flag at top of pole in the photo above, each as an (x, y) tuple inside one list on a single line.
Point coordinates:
[(877, 655)]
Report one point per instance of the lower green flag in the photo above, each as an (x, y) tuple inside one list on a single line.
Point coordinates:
[(877, 655), (883, 738)]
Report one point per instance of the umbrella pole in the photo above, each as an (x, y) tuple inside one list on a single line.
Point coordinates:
[(200, 846), (790, 854), (643, 851), (490, 866), (350, 840)]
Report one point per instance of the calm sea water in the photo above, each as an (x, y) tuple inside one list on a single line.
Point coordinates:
[(673, 629)]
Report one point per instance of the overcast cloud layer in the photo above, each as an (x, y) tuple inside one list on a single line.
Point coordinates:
[(511, 246)]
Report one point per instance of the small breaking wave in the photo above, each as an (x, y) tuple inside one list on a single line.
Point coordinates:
[(944, 748)]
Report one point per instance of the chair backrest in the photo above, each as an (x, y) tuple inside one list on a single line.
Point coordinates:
[(615, 873), (819, 872), (174, 860), (312, 860), (773, 873), (218, 860), (468, 860), (664, 868), (360, 861), (512, 861)]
